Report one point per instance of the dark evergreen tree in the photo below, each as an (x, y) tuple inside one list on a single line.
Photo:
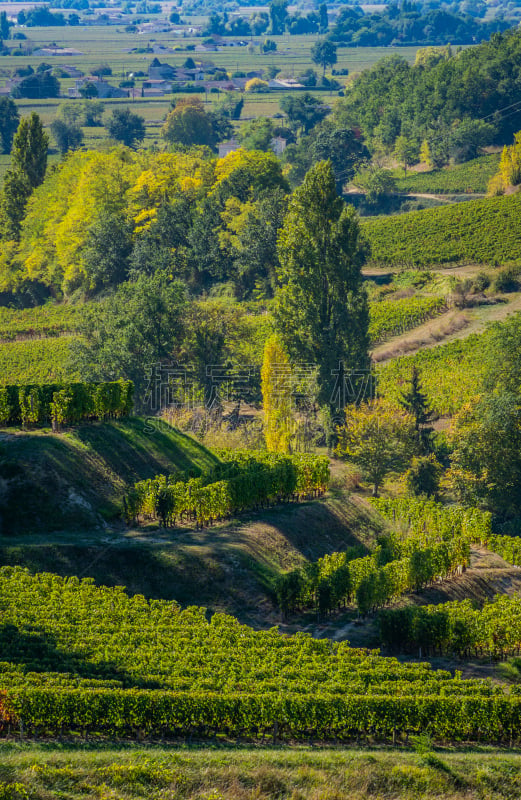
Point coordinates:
[(416, 403)]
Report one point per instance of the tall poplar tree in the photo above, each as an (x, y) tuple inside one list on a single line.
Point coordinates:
[(321, 308), (28, 166), (276, 399)]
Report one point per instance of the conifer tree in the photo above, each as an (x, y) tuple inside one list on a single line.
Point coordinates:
[(416, 403)]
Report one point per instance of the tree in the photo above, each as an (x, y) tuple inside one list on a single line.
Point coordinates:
[(257, 134), (321, 306), (416, 403), (342, 147), (88, 90), (324, 21), (189, 124), (256, 85), (377, 439), (38, 86), (405, 152), (9, 121), (303, 111), (323, 53), (376, 182), (278, 11), (140, 325), (126, 127), (29, 153), (276, 402), (66, 135)]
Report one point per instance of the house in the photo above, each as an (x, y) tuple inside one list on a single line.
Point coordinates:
[(287, 83), (105, 90), (278, 145)]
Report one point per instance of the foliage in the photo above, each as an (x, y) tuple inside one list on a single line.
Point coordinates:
[(139, 327), (126, 127), (276, 401), (324, 53), (415, 402), (321, 308), (249, 480), (69, 403), (455, 628), (377, 439), (9, 121), (66, 136)]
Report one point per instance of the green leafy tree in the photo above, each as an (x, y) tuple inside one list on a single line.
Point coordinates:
[(28, 166), (257, 134), (303, 111), (324, 54), (126, 127), (5, 29), (278, 12), (9, 121), (405, 152), (89, 90), (66, 136), (189, 124), (140, 325), (321, 306), (324, 21), (342, 147)]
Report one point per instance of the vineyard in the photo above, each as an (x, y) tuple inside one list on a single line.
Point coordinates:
[(484, 231), (470, 177), (41, 404), (247, 480), (450, 373), (455, 628), (425, 543), (38, 322), (392, 317), (36, 361), (77, 658)]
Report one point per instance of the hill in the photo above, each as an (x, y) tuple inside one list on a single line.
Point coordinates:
[(77, 480), (485, 231)]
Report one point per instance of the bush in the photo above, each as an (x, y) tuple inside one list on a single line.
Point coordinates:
[(423, 476), (507, 279)]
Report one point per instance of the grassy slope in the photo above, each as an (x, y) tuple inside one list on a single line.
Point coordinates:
[(241, 773), (75, 479), (480, 230)]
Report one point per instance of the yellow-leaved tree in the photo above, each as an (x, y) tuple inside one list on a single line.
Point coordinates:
[(378, 438), (279, 423)]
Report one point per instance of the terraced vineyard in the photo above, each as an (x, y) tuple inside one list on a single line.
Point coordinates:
[(485, 231), (87, 659)]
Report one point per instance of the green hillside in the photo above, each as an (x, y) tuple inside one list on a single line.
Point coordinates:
[(77, 480), (471, 177), (486, 231)]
